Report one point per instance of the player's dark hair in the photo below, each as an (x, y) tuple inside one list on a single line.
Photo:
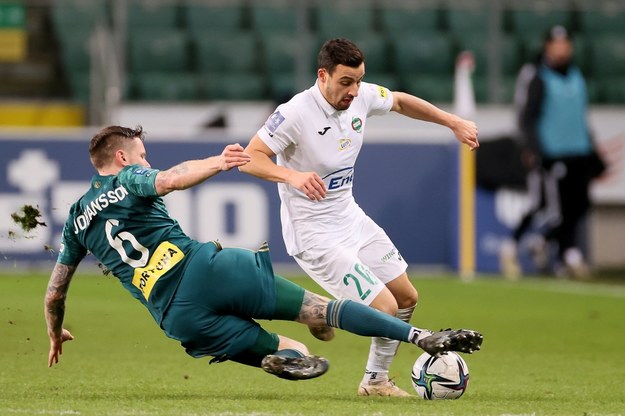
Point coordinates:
[(110, 139), (339, 52)]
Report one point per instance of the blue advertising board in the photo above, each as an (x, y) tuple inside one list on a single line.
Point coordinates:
[(408, 189)]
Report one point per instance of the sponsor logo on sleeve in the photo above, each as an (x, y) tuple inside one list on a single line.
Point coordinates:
[(141, 171), (382, 92), (273, 122)]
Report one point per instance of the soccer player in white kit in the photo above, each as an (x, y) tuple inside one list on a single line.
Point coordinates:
[(316, 138)]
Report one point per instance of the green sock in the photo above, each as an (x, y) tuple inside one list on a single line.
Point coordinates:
[(364, 320)]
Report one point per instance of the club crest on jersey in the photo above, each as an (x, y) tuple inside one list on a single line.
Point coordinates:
[(273, 122), (344, 143), (357, 124)]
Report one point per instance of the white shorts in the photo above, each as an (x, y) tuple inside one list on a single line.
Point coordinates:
[(358, 267)]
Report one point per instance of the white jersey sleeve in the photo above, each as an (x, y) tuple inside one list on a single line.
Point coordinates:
[(281, 129), (378, 98)]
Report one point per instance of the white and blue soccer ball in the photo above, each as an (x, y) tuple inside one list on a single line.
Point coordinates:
[(442, 377)]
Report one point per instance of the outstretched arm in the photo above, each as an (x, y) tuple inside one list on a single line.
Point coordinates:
[(55, 309), (193, 172), (261, 165), (414, 107)]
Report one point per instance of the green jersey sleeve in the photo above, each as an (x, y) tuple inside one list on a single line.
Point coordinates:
[(139, 180), (71, 251)]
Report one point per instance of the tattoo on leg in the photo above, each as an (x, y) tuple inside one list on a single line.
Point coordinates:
[(314, 308)]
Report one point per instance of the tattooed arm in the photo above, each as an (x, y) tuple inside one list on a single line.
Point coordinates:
[(55, 310), (193, 172)]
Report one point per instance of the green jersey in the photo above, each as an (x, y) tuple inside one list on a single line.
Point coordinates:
[(124, 223)]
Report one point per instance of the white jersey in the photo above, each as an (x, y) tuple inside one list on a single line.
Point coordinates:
[(309, 135)]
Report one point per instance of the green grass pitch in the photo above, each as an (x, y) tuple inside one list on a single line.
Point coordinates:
[(551, 348)]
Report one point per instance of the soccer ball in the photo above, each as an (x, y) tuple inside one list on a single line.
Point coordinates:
[(442, 377)]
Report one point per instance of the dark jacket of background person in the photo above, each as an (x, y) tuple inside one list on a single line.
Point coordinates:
[(553, 122)]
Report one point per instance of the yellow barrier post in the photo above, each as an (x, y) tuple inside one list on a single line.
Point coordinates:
[(467, 213), (464, 106)]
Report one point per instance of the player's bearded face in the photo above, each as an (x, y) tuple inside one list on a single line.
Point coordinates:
[(341, 87)]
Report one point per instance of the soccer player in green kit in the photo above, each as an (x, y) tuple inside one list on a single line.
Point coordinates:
[(205, 296)]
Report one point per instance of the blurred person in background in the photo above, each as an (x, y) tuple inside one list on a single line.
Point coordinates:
[(561, 157), (316, 138)]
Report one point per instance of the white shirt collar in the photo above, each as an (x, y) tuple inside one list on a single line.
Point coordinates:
[(323, 103)]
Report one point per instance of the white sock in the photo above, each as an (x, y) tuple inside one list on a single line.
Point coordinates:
[(382, 351)]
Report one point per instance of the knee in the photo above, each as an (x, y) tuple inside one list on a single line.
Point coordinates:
[(408, 298), (403, 291)]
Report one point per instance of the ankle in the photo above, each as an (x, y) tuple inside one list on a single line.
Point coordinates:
[(417, 335), (375, 377)]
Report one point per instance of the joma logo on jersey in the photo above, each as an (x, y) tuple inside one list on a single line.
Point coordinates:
[(340, 178)]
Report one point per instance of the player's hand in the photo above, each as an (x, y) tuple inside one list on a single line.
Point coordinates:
[(309, 183), (466, 132), (56, 346), (233, 156)]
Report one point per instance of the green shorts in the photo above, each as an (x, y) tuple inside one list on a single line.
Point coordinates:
[(220, 295)]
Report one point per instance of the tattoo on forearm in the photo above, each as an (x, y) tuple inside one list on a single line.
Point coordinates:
[(314, 308), (56, 294), (166, 177), (180, 169)]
